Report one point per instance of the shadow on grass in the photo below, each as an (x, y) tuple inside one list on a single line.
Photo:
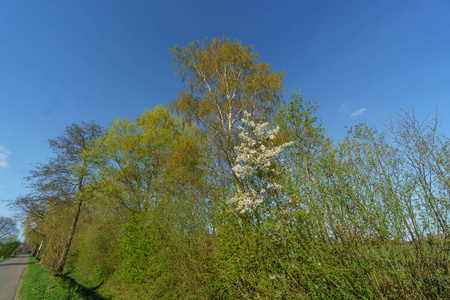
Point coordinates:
[(90, 293)]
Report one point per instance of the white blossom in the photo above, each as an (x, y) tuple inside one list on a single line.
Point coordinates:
[(254, 154), (274, 185), (245, 200)]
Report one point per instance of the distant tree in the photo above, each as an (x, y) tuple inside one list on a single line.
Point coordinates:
[(9, 246), (8, 228), (34, 210)]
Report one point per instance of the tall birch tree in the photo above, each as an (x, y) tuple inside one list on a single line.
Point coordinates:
[(222, 80)]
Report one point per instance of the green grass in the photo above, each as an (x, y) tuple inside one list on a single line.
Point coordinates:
[(38, 283)]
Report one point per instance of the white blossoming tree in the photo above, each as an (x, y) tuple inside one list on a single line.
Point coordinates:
[(255, 165)]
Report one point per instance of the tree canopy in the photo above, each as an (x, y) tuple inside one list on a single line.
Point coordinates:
[(222, 80), (8, 228)]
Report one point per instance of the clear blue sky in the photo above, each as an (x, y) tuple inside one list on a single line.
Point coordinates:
[(62, 62)]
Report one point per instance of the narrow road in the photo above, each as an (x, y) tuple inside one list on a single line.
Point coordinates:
[(11, 272)]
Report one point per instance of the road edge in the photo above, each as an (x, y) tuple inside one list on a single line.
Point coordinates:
[(21, 277)]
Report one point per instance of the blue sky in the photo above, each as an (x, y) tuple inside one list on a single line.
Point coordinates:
[(62, 62)]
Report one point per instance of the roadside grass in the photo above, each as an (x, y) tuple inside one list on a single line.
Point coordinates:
[(38, 283)]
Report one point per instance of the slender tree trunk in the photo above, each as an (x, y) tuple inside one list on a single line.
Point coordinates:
[(39, 250), (65, 251)]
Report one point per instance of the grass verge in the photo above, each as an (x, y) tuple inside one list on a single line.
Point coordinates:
[(38, 283)]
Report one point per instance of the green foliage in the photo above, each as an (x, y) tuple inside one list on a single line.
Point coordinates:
[(94, 255), (134, 165), (8, 247), (145, 268), (365, 217), (166, 254)]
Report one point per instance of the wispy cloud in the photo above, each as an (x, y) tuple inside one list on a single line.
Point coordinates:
[(358, 112), (4, 155), (345, 109)]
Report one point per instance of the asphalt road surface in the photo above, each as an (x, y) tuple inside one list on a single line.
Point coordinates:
[(11, 272)]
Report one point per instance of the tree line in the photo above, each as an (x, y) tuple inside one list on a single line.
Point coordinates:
[(233, 191), (8, 237)]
